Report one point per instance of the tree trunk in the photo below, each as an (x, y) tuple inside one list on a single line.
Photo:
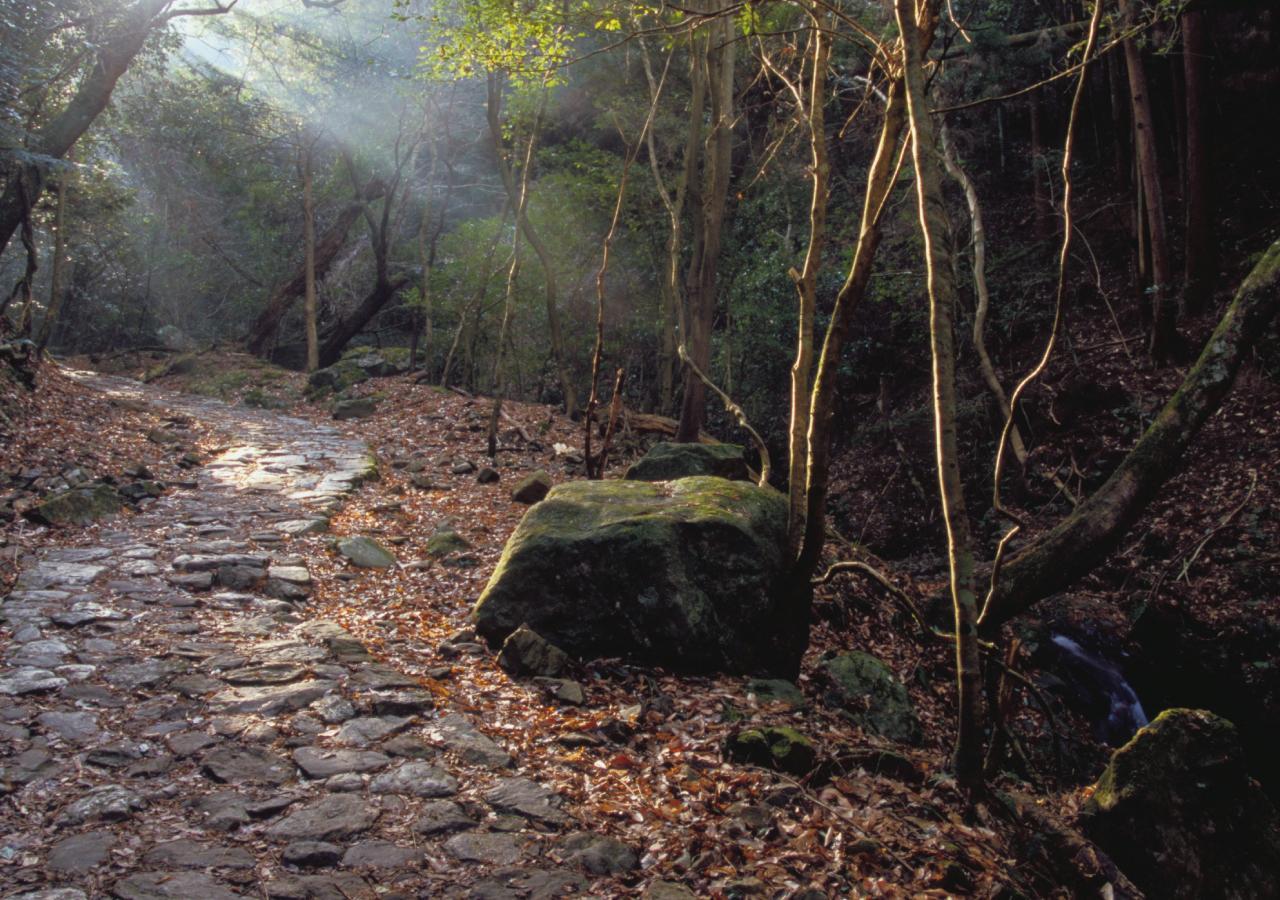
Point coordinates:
[(935, 228), (1094, 530), (702, 279), (349, 327), (493, 111), (56, 266), (309, 262), (807, 289), (262, 335), (1199, 193), (58, 136), (1163, 313)]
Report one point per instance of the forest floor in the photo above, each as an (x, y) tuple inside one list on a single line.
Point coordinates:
[(169, 678)]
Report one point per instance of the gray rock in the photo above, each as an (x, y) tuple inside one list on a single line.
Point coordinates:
[(53, 894), (444, 542), (246, 765), (410, 747), (381, 855), (532, 488), (148, 673), (668, 462), (563, 690), (441, 817), (80, 853), (108, 803), (171, 886), (312, 854), (86, 612), (188, 854), (457, 733), (29, 680), (298, 527), (525, 652), (320, 762), (77, 506), (873, 696), (345, 783), (223, 810), (668, 890), (598, 854), (365, 730), (488, 475), (40, 654), (52, 573), (189, 743), (270, 700), (402, 703), (493, 849), (268, 673), (366, 553), (526, 798), (417, 779), (688, 574), (334, 818), (334, 709), (318, 887), (359, 408), (776, 690), (77, 727)]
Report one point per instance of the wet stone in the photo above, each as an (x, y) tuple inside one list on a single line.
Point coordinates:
[(80, 853), (323, 763), (418, 779), (442, 817)]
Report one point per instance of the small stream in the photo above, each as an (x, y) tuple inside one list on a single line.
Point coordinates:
[(1116, 710)]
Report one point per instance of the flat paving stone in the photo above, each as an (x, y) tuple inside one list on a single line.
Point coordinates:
[(319, 762), (456, 733), (171, 886), (442, 817), (272, 699), (30, 680), (365, 730), (188, 854), (486, 847), (335, 818), (77, 727), (417, 779), (526, 798), (108, 803), (246, 765), (381, 855), (80, 853)]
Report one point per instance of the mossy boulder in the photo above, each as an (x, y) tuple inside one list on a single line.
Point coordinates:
[(869, 691), (774, 747), (1178, 812), (335, 378), (444, 541), (360, 408), (78, 506), (667, 462), (686, 574)]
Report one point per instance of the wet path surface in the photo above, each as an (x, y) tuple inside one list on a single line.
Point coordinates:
[(174, 724)]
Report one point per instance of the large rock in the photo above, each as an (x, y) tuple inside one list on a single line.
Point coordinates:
[(366, 553), (1179, 814), (77, 506), (667, 462), (867, 689), (360, 408), (686, 574), (357, 365)]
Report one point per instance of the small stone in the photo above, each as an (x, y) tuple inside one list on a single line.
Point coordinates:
[(441, 817), (563, 689), (76, 727), (418, 779), (187, 854), (336, 817), (109, 803), (345, 783), (29, 680), (494, 849), (175, 885), (323, 763), (525, 652), (223, 810), (366, 553), (402, 703), (532, 488), (488, 475), (271, 700), (312, 854), (359, 408), (188, 743), (598, 854), (408, 746), (526, 798), (361, 732), (381, 855), (334, 709), (270, 673), (80, 853), (246, 765), (463, 467), (457, 733)]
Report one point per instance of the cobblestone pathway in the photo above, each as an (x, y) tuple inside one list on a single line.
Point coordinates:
[(172, 724)]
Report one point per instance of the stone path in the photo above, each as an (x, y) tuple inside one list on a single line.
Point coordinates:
[(173, 725)]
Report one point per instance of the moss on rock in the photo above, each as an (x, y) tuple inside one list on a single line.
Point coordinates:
[(869, 691), (667, 462), (686, 574)]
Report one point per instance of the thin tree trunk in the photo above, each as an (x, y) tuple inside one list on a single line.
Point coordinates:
[(807, 289), (56, 266), (309, 262), (1163, 313), (558, 359), (1199, 191), (702, 280), (1095, 529), (934, 228)]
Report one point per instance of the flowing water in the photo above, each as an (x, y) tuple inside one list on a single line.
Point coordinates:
[(1120, 710)]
